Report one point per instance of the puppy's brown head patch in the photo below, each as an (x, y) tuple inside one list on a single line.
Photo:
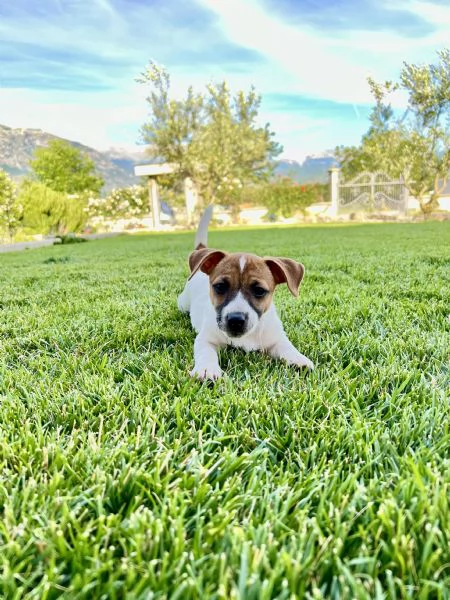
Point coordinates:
[(246, 274)]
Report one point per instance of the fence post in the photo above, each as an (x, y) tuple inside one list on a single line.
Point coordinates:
[(334, 190), (154, 201), (405, 196)]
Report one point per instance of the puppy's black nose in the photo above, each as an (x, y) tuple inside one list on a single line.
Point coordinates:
[(236, 322)]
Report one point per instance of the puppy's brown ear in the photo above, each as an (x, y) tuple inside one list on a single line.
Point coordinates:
[(286, 270), (204, 259)]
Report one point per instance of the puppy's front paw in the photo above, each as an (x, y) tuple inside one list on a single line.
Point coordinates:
[(293, 357), (303, 362), (203, 372)]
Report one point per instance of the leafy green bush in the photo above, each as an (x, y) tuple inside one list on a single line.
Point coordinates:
[(48, 212), (282, 196)]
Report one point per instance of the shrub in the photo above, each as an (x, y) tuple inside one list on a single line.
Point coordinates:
[(282, 196), (48, 212)]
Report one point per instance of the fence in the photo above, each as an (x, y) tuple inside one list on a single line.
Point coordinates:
[(368, 192)]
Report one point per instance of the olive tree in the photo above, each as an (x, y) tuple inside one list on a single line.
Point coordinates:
[(414, 145), (213, 137)]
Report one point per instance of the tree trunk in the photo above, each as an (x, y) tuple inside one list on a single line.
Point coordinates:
[(235, 214), (428, 207)]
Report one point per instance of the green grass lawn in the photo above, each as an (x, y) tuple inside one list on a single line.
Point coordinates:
[(123, 478)]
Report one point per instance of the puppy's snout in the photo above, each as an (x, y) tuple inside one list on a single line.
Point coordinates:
[(236, 322)]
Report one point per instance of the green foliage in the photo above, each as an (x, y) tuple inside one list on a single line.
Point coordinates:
[(415, 146), (284, 197), (55, 202), (212, 137), (122, 478), (53, 260), (122, 203), (49, 212), (64, 168), (281, 196), (11, 212), (69, 239)]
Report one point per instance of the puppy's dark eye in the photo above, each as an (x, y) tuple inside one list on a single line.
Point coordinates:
[(258, 291), (221, 288)]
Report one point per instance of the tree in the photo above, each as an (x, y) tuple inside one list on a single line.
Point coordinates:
[(10, 208), (212, 137), (415, 145), (47, 211), (64, 168)]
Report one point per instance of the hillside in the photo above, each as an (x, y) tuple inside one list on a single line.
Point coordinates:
[(17, 147), (314, 169), (116, 165)]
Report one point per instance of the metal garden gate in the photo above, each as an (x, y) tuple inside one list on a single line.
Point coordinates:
[(372, 192)]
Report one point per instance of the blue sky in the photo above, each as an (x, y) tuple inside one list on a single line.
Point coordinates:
[(69, 66)]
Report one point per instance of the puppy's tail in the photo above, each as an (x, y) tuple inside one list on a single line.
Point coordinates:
[(201, 238)]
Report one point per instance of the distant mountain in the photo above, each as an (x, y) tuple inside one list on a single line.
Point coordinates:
[(116, 164), (314, 169), (18, 145)]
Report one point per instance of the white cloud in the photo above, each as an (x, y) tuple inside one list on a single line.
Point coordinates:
[(298, 60), (319, 65), (438, 14), (310, 60)]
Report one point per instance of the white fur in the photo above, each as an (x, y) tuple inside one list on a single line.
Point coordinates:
[(242, 262), (201, 236), (240, 305), (266, 334)]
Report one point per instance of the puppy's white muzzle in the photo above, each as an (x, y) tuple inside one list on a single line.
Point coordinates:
[(238, 317)]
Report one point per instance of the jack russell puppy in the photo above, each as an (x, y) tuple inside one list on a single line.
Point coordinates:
[(229, 299)]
